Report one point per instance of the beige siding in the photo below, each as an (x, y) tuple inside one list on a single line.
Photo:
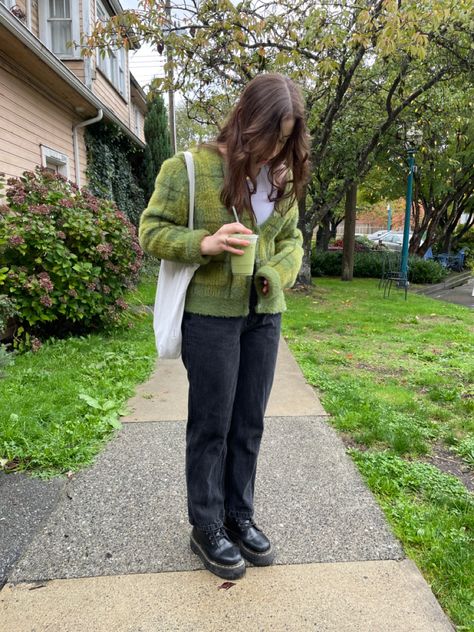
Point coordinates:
[(35, 19), (101, 86), (109, 96), (29, 119), (77, 67)]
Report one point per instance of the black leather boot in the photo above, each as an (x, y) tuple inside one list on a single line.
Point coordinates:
[(218, 553), (253, 543)]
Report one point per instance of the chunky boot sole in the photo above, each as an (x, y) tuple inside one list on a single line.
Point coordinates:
[(226, 571), (258, 559)]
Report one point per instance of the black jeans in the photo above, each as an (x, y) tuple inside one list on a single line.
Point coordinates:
[(230, 364)]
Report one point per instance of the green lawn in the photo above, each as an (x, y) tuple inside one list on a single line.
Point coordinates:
[(59, 405), (396, 376)]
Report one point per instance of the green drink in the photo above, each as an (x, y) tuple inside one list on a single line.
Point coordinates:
[(243, 264)]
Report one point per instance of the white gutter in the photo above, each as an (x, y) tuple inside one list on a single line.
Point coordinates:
[(17, 28), (75, 144)]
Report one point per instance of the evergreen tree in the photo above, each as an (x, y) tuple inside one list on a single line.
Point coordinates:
[(158, 146)]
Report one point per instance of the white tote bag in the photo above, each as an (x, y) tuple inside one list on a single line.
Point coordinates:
[(173, 281)]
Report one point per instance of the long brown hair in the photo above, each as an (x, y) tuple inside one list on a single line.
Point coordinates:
[(250, 134)]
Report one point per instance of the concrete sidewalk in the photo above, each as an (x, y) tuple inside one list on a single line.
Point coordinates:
[(461, 295), (113, 553)]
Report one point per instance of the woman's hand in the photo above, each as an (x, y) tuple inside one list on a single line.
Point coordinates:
[(265, 286), (221, 241)]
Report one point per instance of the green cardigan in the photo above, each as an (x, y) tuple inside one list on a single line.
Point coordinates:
[(214, 291)]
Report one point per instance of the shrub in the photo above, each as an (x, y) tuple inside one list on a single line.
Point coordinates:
[(7, 309), (69, 256), (369, 264), (421, 271), (361, 244)]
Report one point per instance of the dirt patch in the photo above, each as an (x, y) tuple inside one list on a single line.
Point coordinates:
[(349, 442), (381, 370), (448, 461)]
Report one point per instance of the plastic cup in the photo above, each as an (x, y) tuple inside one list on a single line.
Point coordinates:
[(243, 264)]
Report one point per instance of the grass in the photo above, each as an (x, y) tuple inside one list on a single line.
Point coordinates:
[(59, 406), (396, 376), (145, 292)]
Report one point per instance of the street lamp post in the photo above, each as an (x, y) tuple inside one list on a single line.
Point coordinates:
[(413, 140), (406, 225)]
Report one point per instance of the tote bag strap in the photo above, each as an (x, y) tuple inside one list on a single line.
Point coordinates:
[(190, 167)]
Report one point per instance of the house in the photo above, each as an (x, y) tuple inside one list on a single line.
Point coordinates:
[(49, 93)]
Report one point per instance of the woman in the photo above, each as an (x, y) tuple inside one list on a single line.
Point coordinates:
[(231, 325)]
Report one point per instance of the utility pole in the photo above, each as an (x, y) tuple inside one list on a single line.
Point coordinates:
[(171, 112)]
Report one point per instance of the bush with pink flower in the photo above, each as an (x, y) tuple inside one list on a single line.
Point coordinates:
[(66, 256)]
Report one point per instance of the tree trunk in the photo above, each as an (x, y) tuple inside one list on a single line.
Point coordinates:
[(349, 234), (323, 235), (306, 227)]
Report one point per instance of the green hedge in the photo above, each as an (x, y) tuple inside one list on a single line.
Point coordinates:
[(369, 264)]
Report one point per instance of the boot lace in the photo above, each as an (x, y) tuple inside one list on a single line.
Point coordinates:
[(216, 535)]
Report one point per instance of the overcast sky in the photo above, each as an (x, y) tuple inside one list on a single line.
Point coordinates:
[(144, 63)]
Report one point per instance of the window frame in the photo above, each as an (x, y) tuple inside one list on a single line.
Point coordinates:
[(55, 158), (45, 31), (113, 63)]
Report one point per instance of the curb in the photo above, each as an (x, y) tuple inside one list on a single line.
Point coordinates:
[(452, 281)]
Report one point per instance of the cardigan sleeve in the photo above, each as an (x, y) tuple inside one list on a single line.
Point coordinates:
[(282, 269), (163, 231)]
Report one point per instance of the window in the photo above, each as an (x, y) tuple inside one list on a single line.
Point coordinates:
[(59, 25), (54, 161), (7, 3), (113, 64)]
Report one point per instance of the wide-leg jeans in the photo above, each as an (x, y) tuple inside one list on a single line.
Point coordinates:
[(230, 364)]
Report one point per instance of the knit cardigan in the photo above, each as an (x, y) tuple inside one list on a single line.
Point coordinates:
[(214, 290)]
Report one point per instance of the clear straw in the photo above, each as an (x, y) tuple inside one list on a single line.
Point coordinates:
[(235, 215)]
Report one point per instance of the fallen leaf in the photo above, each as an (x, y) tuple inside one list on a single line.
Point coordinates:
[(226, 585)]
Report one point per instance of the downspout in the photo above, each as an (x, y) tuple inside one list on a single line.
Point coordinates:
[(75, 144)]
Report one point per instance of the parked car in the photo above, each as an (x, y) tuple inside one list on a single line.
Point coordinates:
[(377, 235), (393, 240)]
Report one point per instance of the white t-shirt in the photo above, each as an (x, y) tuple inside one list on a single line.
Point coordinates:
[(262, 206)]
